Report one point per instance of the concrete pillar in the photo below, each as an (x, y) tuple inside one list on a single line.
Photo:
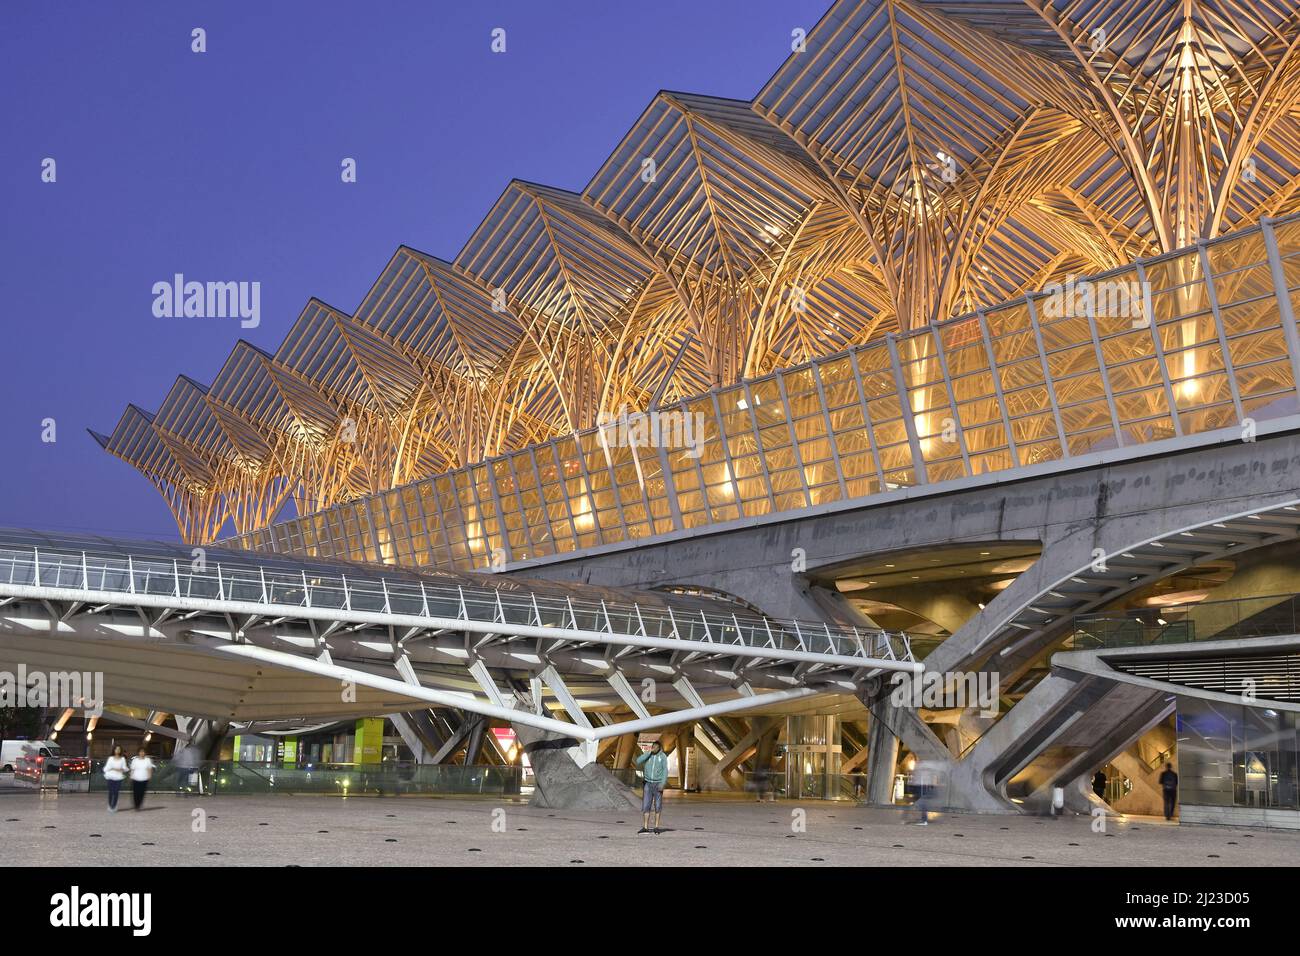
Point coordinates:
[(685, 738), (474, 748), (626, 751), (882, 758), (369, 747), (420, 732), (205, 740)]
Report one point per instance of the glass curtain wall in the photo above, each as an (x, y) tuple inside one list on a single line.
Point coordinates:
[(1231, 755), (1174, 346)]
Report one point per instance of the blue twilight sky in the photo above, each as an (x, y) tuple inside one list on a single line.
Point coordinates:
[(225, 166)]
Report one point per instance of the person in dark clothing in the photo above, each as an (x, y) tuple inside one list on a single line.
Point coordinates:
[(1099, 784), (1169, 787), (142, 769)]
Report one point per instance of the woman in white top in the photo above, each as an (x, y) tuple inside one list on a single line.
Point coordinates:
[(141, 771), (114, 772)]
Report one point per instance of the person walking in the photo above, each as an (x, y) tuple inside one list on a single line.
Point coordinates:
[(188, 768), (654, 765), (1099, 784), (1169, 788), (925, 780), (115, 772), (141, 770)]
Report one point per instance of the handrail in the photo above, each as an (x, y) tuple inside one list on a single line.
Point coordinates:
[(1270, 615)]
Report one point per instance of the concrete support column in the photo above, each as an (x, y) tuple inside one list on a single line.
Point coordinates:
[(765, 751), (882, 758), (474, 747), (205, 740), (626, 751), (685, 738)]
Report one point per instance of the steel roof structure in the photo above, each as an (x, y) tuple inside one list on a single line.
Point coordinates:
[(914, 161)]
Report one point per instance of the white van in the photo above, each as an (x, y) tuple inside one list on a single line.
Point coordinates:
[(12, 753)]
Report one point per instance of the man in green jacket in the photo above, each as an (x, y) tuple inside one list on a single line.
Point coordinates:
[(654, 765)]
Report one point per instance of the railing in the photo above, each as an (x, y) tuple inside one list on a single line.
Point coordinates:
[(29, 566), (243, 777), (1270, 616), (779, 784), (1161, 758)]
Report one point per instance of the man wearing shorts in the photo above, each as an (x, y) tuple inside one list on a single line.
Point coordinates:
[(654, 765)]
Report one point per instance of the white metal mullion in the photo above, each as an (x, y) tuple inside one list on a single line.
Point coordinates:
[(952, 397), (596, 523), (1048, 381), (1150, 313), (614, 487), (1286, 314), (995, 375), (919, 469), (541, 495), (1090, 312), (794, 444), (759, 450), (563, 482), (442, 519), (866, 419), (670, 486), (1217, 318), (726, 454), (524, 526), (830, 432)]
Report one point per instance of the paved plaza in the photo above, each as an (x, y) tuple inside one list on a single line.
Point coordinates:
[(74, 829)]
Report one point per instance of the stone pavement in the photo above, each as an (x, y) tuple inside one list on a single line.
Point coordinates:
[(74, 829)]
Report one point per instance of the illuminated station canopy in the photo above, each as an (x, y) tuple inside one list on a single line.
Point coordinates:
[(915, 161)]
